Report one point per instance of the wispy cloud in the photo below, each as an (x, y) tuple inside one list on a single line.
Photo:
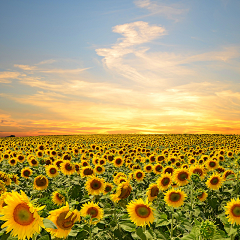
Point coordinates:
[(171, 10), (6, 76)]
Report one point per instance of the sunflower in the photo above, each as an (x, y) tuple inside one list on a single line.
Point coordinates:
[(152, 191), (2, 187), (5, 178), (197, 169), (58, 198), (99, 169), (102, 161), (181, 176), (118, 161), (26, 172), (157, 169), (20, 158), (174, 198), (67, 168), (33, 162), (93, 210), (86, 172), (20, 216), (51, 170), (139, 175), (214, 182), (58, 164), (12, 161), (227, 173), (233, 211), (140, 213), (95, 185), (84, 163), (124, 189), (211, 164), (202, 196), (64, 219), (14, 178), (40, 182), (148, 168), (108, 188), (164, 181)]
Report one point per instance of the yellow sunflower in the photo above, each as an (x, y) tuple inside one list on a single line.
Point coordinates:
[(157, 169), (174, 198), (164, 181), (14, 178), (214, 182), (139, 175), (64, 220), (169, 170), (108, 188), (40, 182), (118, 161), (51, 171), (58, 198), (20, 216), (12, 161), (95, 185), (233, 211), (123, 190), (99, 169), (197, 169), (26, 172), (33, 162), (227, 173), (140, 213), (77, 168), (2, 187), (67, 168), (152, 191), (211, 164), (181, 176), (148, 168), (202, 196), (93, 210)]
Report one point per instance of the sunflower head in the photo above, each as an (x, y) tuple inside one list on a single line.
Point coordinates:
[(152, 191), (86, 172), (164, 181), (139, 175), (140, 213), (95, 185), (214, 182), (40, 182), (108, 188), (181, 176), (67, 167), (52, 171), (174, 198), (58, 198), (26, 172), (207, 229), (233, 211)]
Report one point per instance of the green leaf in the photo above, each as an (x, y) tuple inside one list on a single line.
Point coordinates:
[(73, 233), (49, 224), (46, 237), (5, 236), (141, 234), (127, 226)]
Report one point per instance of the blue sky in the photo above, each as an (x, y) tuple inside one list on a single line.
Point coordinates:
[(72, 67)]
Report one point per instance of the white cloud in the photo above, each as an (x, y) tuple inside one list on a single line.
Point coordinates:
[(6, 76), (170, 11)]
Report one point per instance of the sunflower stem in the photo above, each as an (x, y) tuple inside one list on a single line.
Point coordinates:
[(172, 224), (191, 199)]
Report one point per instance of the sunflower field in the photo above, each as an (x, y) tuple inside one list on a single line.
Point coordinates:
[(133, 186)]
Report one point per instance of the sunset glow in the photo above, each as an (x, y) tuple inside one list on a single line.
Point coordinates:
[(144, 66)]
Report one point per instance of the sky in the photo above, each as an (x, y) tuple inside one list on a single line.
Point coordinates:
[(119, 66)]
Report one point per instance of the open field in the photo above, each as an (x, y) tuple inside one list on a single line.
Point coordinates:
[(132, 186)]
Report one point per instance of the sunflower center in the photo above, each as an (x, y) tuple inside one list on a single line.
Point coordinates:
[(158, 168), (200, 195), (92, 211), (192, 161), (142, 211), (88, 171), (174, 197), (22, 215), (53, 170), (154, 191), (95, 184), (125, 192), (139, 175), (198, 171), (34, 162), (77, 168), (165, 181), (169, 170), (214, 181), (236, 210), (85, 164), (65, 223), (101, 162), (108, 188), (60, 197), (148, 168), (26, 173), (68, 167), (99, 169), (118, 161), (212, 164), (41, 182), (182, 176)]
